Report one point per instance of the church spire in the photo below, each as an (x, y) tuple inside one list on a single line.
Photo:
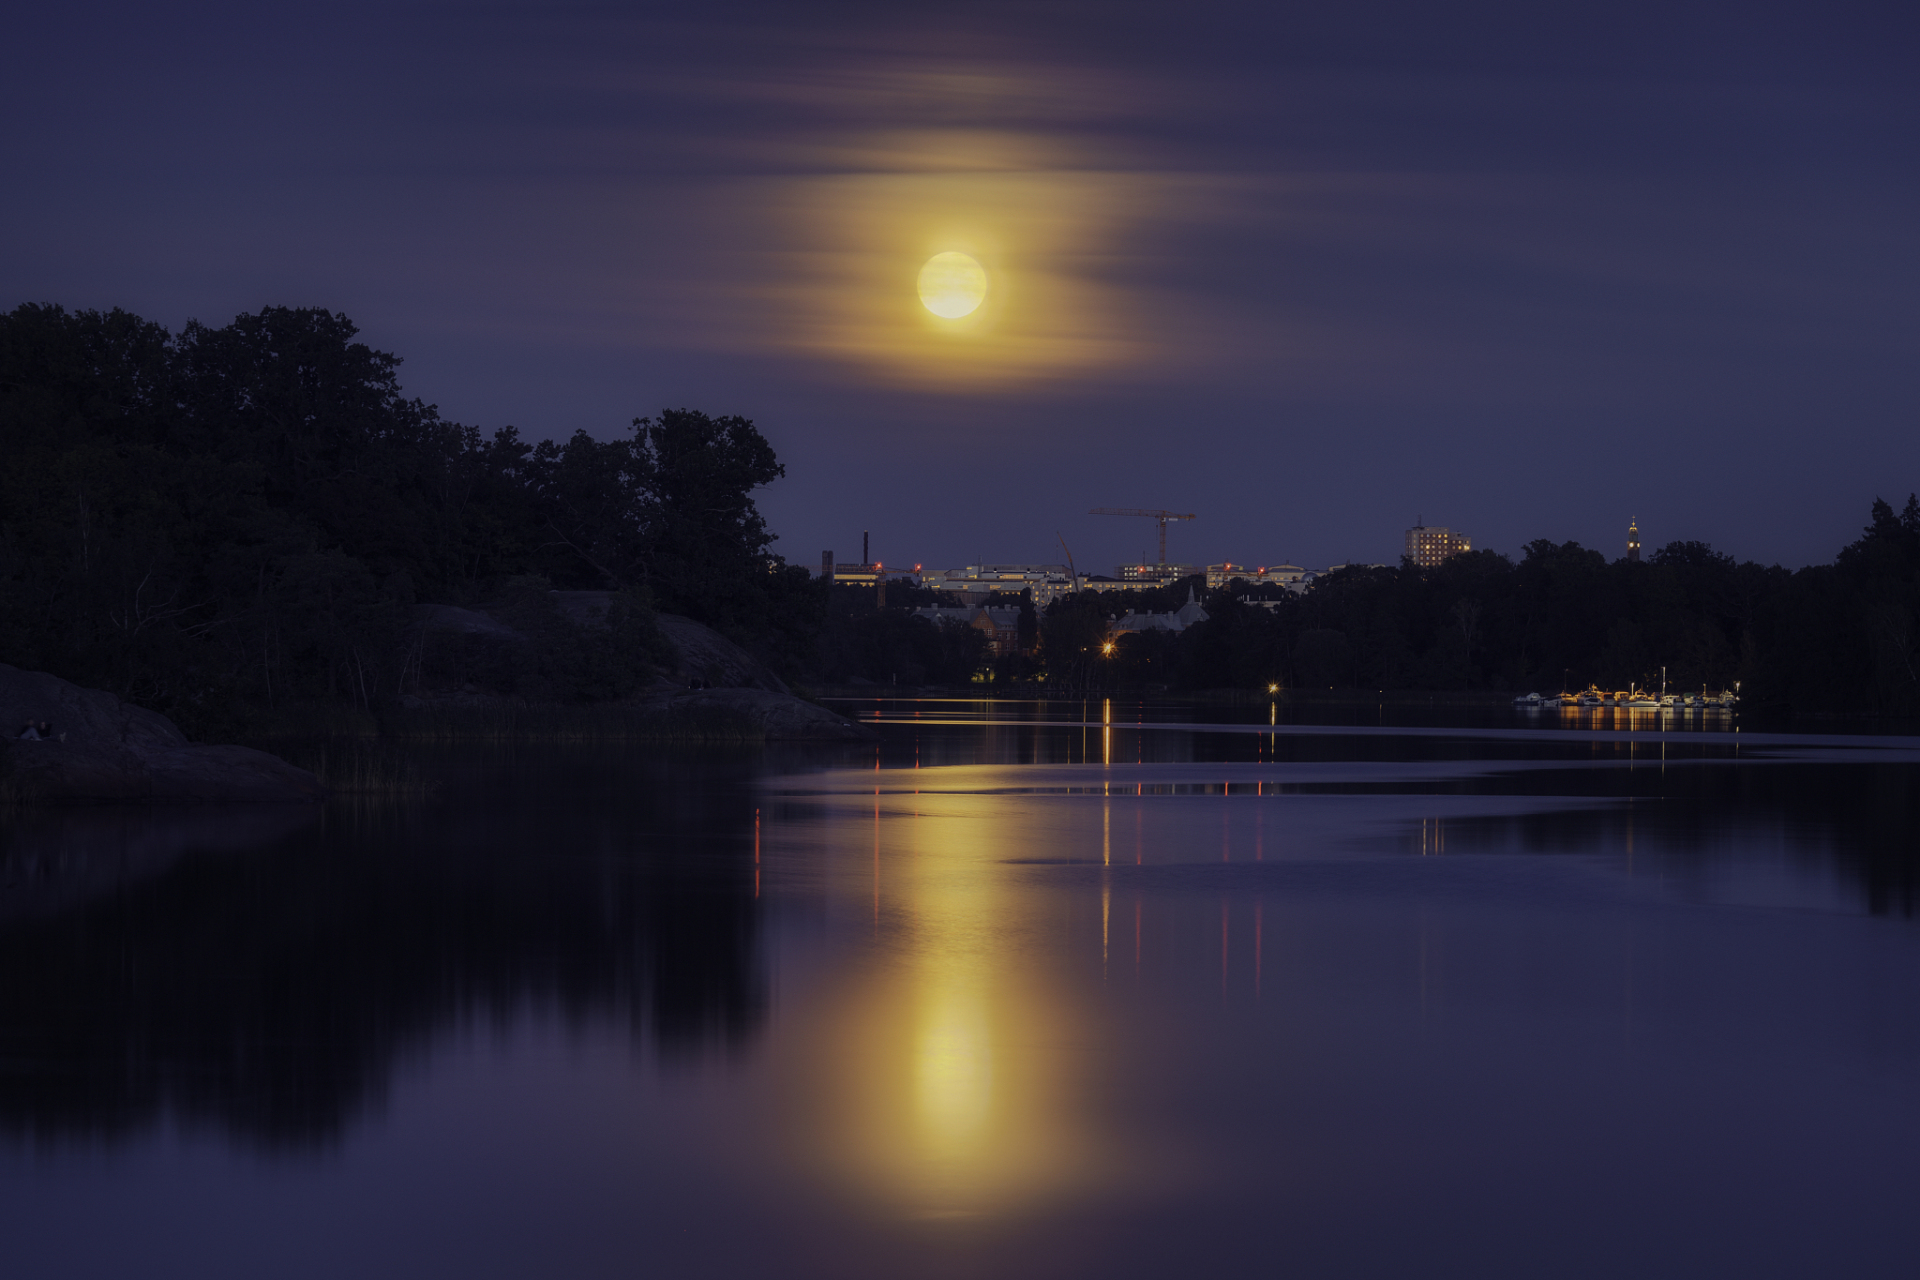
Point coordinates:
[(1633, 541)]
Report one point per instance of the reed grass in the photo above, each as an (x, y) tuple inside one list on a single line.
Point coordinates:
[(314, 721), (357, 771), (14, 792)]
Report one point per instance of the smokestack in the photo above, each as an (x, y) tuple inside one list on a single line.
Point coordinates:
[(865, 559), (826, 565)]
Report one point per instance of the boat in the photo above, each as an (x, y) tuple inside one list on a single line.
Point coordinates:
[(1530, 700), (1640, 701)]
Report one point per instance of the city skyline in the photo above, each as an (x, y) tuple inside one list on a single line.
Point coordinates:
[(1444, 541)]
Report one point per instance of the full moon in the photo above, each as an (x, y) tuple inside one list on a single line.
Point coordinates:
[(952, 285)]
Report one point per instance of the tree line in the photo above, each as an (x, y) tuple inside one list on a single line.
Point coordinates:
[(1839, 638), (225, 520)]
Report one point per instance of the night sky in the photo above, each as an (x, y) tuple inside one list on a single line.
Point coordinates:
[(1309, 271)]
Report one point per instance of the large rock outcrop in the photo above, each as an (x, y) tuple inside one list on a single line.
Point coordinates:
[(704, 682), (104, 749), (713, 659)]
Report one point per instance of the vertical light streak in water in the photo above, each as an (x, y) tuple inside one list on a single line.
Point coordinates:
[(1106, 905), (1106, 733), (756, 853), (876, 861)]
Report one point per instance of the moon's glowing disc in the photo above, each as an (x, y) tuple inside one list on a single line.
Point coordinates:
[(952, 285)]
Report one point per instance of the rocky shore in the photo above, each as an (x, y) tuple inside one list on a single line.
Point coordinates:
[(708, 686), (102, 749)]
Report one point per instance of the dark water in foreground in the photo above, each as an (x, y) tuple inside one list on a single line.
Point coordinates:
[(1017, 994)]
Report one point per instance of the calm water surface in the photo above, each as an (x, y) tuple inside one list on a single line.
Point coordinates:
[(1047, 990)]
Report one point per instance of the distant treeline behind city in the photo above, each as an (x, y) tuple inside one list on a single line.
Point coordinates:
[(228, 521)]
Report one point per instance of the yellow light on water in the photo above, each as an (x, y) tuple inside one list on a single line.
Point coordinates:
[(954, 1073), (952, 285)]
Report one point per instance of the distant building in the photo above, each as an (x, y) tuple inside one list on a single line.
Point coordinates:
[(1428, 545), (859, 575), (1000, 626), (1633, 541), (1292, 577), (976, 582), (1179, 620), (1097, 583), (1219, 575)]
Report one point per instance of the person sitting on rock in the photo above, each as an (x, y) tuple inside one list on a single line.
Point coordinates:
[(30, 731), (46, 731)]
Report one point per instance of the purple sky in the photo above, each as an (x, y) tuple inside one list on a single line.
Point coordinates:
[(1309, 271)]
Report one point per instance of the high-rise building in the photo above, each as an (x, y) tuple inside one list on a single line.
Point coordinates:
[(1428, 545), (1633, 541)]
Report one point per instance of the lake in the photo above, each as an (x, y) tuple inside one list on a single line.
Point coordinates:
[(1023, 990)]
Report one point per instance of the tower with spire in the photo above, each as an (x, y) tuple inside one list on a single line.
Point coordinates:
[(1633, 541)]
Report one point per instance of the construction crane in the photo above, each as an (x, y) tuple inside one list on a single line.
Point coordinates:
[(1161, 516)]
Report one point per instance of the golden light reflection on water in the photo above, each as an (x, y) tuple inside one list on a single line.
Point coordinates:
[(953, 1072), (945, 1075)]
